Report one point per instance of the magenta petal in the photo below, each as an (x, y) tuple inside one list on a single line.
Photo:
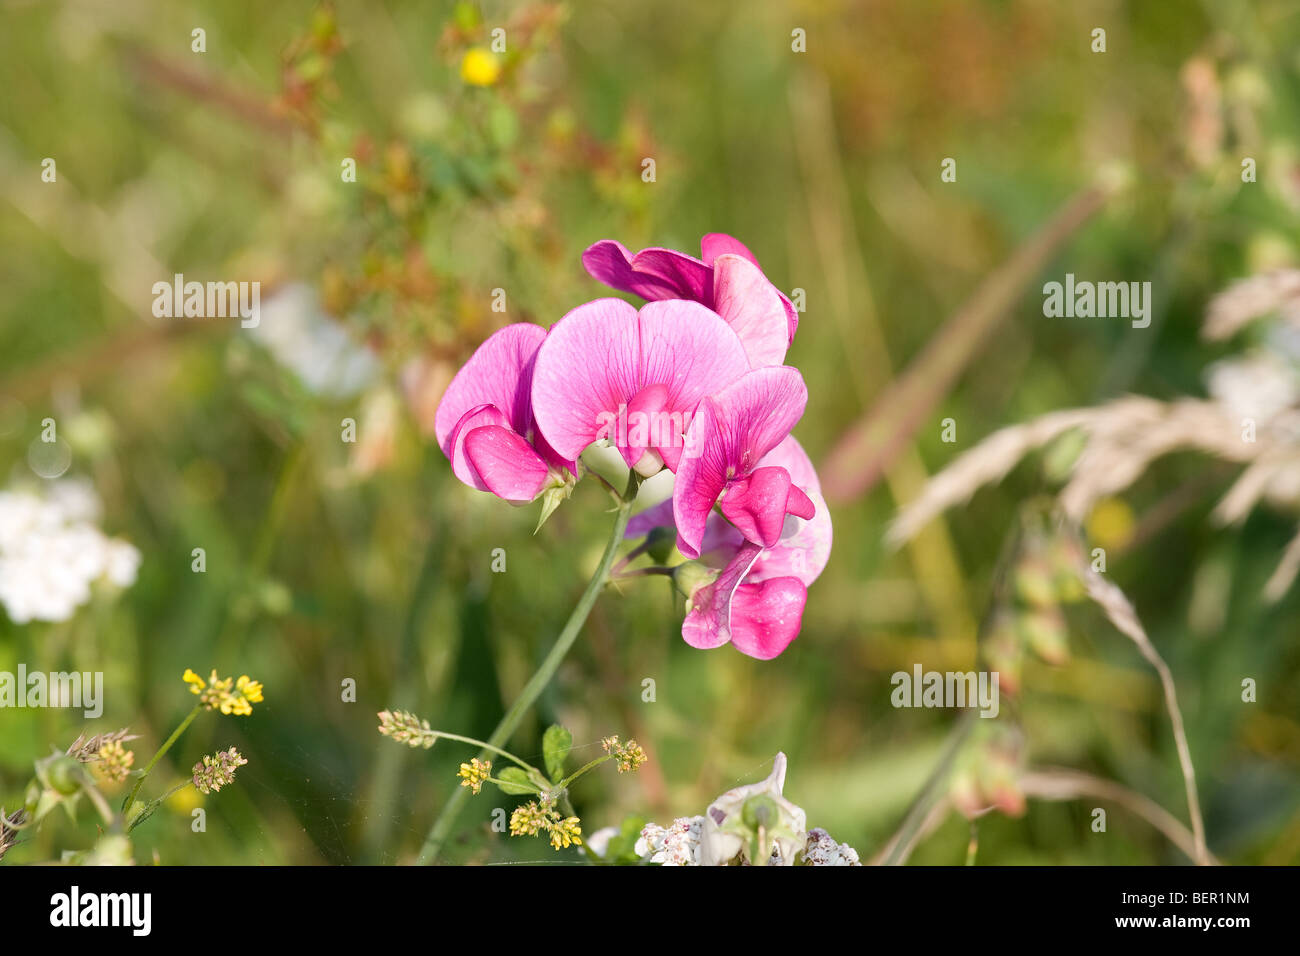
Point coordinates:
[(474, 418), (716, 244), (765, 618), (729, 435), (690, 277), (647, 414), (752, 306), (709, 622), (791, 316), (757, 504), (609, 262), (701, 477), (499, 373), (507, 465), (586, 371)]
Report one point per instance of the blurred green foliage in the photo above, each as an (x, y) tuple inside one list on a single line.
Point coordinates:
[(328, 561)]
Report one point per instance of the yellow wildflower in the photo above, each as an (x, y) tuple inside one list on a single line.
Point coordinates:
[(474, 773), (528, 819), (566, 833), (479, 67), (115, 761), (226, 695)]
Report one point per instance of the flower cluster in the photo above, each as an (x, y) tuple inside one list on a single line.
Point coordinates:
[(115, 761), (406, 728), (217, 770), (692, 383), (540, 815), (52, 552), (228, 695), (630, 756), (745, 826), (474, 774)]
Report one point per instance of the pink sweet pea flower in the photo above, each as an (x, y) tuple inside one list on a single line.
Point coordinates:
[(730, 433), (607, 371), (728, 280), (756, 602), (484, 423)]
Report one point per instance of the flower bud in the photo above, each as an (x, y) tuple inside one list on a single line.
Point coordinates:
[(690, 576)]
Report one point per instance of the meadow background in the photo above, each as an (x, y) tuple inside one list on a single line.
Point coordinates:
[(328, 560)]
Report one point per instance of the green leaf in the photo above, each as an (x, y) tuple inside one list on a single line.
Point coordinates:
[(514, 782), (622, 847), (555, 747)]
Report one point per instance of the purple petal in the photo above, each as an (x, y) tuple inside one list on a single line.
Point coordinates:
[(609, 262), (687, 276)]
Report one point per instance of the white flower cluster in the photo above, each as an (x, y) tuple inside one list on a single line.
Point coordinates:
[(674, 845), (721, 836), (51, 552), (822, 850)]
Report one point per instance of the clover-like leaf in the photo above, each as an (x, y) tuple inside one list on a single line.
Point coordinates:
[(556, 743)]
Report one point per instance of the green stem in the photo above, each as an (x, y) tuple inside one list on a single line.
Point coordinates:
[(154, 804), (486, 747), (537, 683), (130, 797), (564, 784)]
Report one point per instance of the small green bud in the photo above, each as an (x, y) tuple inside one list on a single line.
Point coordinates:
[(690, 576), (65, 776), (659, 544)]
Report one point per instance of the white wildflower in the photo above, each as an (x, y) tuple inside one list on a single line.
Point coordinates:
[(51, 552), (674, 845), (312, 345), (822, 850)]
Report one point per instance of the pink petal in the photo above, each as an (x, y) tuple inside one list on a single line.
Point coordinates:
[(708, 624), (507, 465), (805, 545), (765, 618), (499, 373), (587, 368), (609, 262), (729, 434), (474, 418), (599, 358), (694, 353), (752, 306), (716, 244), (758, 503), (643, 428)]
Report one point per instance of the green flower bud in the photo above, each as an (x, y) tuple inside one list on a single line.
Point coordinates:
[(690, 576), (65, 775), (659, 544)]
